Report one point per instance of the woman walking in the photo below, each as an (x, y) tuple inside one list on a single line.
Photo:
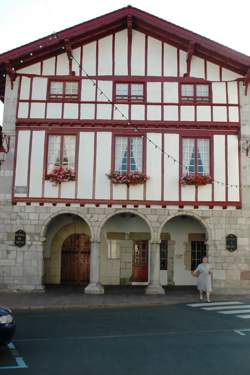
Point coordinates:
[(204, 283)]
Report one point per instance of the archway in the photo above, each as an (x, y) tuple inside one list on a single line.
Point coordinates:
[(183, 244), (125, 238), (67, 250)]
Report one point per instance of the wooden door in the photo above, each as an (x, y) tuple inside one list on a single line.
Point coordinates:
[(75, 259), (140, 261)]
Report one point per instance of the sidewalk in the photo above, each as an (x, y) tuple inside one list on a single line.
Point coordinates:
[(69, 297)]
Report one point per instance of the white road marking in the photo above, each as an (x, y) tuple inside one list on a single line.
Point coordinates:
[(235, 311), (243, 316), (225, 307), (215, 304), (241, 332)]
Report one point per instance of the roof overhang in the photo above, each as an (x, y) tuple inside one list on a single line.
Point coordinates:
[(112, 22)]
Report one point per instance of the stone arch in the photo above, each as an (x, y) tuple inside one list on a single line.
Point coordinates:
[(63, 212), (122, 211), (189, 235), (56, 229), (189, 214)]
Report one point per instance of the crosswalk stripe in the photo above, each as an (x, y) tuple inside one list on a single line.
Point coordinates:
[(215, 304), (224, 307), (243, 316), (234, 312)]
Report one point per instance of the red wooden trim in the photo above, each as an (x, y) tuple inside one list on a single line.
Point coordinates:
[(29, 162), (180, 166), (94, 166), (178, 63), (81, 62), (226, 168), (98, 202), (77, 156), (30, 96), (146, 55), (170, 127), (14, 164), (96, 82), (123, 78), (144, 164), (205, 68), (129, 60), (162, 166), (212, 163), (239, 166), (18, 96), (135, 103), (55, 65), (226, 85)]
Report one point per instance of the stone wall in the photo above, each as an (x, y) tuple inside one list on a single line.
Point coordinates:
[(22, 268)]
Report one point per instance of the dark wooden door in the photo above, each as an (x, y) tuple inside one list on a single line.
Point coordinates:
[(75, 259), (140, 261)]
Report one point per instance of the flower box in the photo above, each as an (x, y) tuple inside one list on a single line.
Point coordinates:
[(135, 178), (59, 175), (197, 180)]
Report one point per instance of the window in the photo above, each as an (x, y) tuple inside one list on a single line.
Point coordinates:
[(198, 251), (113, 249), (196, 156), (129, 92), (194, 92), (68, 90), (164, 255), (128, 154), (61, 152)]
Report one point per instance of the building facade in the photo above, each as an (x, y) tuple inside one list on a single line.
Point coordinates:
[(127, 161)]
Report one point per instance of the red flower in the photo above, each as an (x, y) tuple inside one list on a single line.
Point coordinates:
[(59, 175), (197, 180), (129, 179)]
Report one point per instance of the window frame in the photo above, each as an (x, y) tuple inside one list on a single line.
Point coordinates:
[(129, 100), (63, 98), (130, 135), (164, 246), (195, 260), (196, 138), (61, 149), (195, 99)]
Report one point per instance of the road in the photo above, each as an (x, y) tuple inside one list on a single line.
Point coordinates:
[(173, 340)]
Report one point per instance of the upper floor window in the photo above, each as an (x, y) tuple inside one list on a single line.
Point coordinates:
[(129, 92), (65, 90), (196, 156), (61, 152), (128, 154), (195, 92)]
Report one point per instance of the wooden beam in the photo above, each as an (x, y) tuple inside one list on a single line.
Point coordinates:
[(190, 52), (11, 72), (246, 81), (68, 49)]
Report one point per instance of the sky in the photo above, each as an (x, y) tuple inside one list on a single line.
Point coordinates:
[(22, 21)]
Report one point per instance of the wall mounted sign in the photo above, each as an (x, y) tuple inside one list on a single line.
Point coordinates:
[(231, 242), (20, 238)]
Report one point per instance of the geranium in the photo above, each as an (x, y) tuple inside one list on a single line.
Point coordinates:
[(59, 175), (134, 178), (197, 180)]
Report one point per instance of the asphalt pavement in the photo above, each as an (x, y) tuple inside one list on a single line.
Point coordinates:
[(177, 339)]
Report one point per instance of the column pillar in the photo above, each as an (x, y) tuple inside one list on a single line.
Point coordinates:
[(94, 286), (154, 286)]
